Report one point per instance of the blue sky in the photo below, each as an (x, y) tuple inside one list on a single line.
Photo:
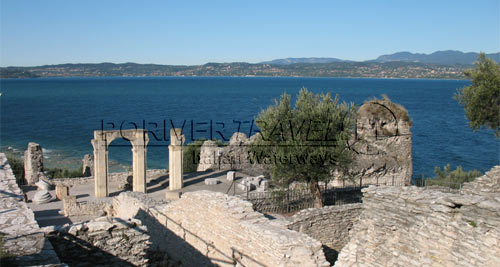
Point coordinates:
[(196, 32)]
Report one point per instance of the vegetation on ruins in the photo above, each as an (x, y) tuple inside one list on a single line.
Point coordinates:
[(306, 142), (481, 100), (452, 178), (17, 166), (63, 173), (379, 110)]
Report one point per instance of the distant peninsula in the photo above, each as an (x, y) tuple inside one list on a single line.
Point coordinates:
[(438, 65)]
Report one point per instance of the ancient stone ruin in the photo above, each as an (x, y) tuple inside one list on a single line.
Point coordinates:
[(87, 165), (175, 150), (382, 146), (411, 226), (381, 143), (394, 226), (102, 139), (33, 163)]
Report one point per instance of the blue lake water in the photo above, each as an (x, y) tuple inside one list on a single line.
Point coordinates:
[(62, 113)]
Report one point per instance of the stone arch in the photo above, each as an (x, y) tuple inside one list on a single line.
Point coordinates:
[(102, 139)]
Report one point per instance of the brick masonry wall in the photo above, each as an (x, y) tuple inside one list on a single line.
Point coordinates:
[(206, 228), (330, 225), (410, 226)]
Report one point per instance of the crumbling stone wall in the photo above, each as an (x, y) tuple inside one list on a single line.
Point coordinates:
[(330, 225), (382, 145), (105, 242), (18, 229), (206, 228), (410, 226)]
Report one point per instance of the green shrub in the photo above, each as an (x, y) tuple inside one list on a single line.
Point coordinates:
[(452, 178), (17, 165), (63, 173)]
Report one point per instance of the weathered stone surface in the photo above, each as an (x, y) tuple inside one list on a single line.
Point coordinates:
[(102, 139), (383, 143), (62, 191), (42, 185), (175, 171), (208, 156), (486, 184), (410, 226), (230, 176), (330, 225), (33, 163), (230, 233), (107, 242), (18, 227), (94, 208), (211, 181), (88, 165), (42, 196)]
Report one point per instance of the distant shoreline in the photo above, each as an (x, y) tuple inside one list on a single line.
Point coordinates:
[(250, 77), (313, 70)]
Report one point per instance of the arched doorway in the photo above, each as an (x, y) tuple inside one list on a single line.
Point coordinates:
[(138, 139)]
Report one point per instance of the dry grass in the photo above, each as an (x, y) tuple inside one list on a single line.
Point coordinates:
[(379, 108)]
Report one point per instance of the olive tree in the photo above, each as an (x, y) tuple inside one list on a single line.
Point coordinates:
[(481, 100), (306, 142)]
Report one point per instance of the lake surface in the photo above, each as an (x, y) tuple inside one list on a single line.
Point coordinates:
[(62, 113)]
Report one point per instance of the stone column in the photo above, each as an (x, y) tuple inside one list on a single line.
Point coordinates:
[(100, 168), (175, 150), (33, 163), (139, 164)]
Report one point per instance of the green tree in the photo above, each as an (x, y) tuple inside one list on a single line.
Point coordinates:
[(305, 143), (481, 100)]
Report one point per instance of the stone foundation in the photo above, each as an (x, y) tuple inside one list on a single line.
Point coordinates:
[(410, 226), (206, 228), (330, 225)]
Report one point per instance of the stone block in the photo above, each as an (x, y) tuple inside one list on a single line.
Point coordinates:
[(62, 191), (211, 181), (231, 175), (172, 194)]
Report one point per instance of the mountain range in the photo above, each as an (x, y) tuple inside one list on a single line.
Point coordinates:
[(448, 57)]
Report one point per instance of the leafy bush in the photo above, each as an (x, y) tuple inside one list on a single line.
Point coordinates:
[(17, 165), (63, 173), (452, 178)]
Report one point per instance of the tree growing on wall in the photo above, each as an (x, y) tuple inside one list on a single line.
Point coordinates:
[(481, 100), (306, 142)]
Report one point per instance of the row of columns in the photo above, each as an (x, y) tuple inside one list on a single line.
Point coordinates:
[(139, 140)]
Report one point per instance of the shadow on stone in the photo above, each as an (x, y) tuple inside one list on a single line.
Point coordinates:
[(331, 255)]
